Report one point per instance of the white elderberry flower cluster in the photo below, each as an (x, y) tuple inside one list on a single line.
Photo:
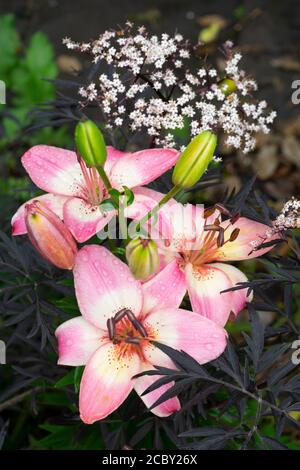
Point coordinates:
[(149, 83), (289, 218)]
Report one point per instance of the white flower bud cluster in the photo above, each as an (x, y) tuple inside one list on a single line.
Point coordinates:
[(150, 87), (289, 218)]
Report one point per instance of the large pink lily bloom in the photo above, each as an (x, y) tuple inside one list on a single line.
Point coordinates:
[(75, 191), (106, 290), (202, 267)]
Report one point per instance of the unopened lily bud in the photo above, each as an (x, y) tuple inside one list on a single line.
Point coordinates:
[(227, 86), (194, 160), (90, 143), (143, 258), (50, 236)]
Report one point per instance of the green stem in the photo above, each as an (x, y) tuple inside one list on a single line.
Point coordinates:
[(104, 177), (175, 190)]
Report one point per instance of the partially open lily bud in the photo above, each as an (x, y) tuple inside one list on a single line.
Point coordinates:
[(194, 160), (90, 143), (50, 236), (227, 86), (143, 258)]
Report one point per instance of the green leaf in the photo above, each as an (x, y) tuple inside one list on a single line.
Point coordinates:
[(77, 377), (30, 88), (129, 195), (239, 11), (68, 304), (39, 56), (118, 250), (68, 379), (27, 76), (115, 195), (55, 398), (9, 44)]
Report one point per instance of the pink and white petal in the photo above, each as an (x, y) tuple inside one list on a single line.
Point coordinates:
[(106, 382), (242, 248), (140, 168), (157, 290), (145, 200), (104, 285), (187, 227), (54, 170), (83, 219), (52, 201), (166, 408), (239, 297), (185, 331), (204, 284), (112, 156), (77, 341)]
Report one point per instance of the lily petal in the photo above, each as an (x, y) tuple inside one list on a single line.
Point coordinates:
[(142, 383), (239, 297), (139, 168), (83, 219), (106, 382), (186, 227), (77, 341), (204, 285), (112, 156), (156, 290), (145, 200), (104, 285), (52, 201), (54, 170), (241, 248), (185, 331)]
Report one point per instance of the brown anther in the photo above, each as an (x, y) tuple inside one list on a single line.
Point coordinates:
[(220, 239), (130, 340), (125, 312), (120, 314), (234, 234), (234, 218), (139, 327), (208, 212), (212, 227), (111, 328), (130, 315), (223, 210)]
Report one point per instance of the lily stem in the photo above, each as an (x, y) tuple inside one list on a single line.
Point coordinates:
[(173, 191), (104, 177)]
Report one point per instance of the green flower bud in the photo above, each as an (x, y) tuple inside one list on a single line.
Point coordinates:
[(143, 258), (227, 86), (194, 160), (90, 143)]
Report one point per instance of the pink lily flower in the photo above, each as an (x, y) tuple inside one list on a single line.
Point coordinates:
[(192, 241), (112, 338), (75, 191)]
